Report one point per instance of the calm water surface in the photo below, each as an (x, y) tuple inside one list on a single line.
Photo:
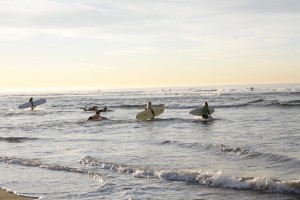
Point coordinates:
[(250, 150)]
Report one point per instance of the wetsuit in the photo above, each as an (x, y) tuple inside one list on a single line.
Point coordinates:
[(205, 112)]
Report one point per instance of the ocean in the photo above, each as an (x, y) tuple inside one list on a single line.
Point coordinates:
[(250, 150)]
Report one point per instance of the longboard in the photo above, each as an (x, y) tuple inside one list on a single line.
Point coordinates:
[(198, 111), (35, 103), (147, 114), (202, 120)]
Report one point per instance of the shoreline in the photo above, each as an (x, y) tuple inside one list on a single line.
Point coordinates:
[(7, 195)]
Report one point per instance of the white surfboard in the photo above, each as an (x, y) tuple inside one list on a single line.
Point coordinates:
[(198, 111), (35, 103), (200, 119), (147, 114)]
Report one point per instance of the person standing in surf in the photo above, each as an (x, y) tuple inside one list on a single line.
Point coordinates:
[(31, 101), (149, 107), (205, 111)]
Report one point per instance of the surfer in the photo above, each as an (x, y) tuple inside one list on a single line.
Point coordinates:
[(149, 107), (90, 109), (31, 101), (205, 111), (104, 109), (97, 116)]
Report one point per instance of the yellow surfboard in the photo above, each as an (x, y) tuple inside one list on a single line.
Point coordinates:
[(147, 114), (198, 111)]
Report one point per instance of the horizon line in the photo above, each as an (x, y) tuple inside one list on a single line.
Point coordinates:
[(70, 89)]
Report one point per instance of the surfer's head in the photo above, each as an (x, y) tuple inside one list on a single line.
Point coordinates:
[(98, 112), (206, 104)]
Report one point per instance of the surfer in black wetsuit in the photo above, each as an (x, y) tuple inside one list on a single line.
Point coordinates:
[(149, 107), (97, 116), (104, 109), (205, 111), (94, 108), (31, 101)]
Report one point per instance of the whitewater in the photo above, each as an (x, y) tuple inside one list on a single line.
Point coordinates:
[(250, 150)]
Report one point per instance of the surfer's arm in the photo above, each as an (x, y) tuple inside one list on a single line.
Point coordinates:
[(152, 112)]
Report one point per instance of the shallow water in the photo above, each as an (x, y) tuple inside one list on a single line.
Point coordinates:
[(249, 150)]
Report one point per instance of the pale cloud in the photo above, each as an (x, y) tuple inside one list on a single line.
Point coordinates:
[(143, 34)]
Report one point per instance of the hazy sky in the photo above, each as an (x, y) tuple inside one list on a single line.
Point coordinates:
[(148, 43)]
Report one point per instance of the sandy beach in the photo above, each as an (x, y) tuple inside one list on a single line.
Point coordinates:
[(5, 195)]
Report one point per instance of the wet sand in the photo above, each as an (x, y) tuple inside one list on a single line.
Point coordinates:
[(5, 195)]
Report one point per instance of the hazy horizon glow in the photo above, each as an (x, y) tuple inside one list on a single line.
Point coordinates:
[(159, 43)]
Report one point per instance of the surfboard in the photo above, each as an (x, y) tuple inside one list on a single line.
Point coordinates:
[(35, 103), (200, 119), (198, 111), (147, 114)]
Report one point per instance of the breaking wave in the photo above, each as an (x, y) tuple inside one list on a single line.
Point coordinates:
[(207, 178), (35, 163)]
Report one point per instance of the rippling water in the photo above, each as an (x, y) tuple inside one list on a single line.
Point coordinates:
[(249, 150)]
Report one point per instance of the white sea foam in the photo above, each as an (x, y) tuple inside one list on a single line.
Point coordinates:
[(208, 178)]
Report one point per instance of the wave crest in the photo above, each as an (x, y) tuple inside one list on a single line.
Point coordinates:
[(35, 163), (208, 178)]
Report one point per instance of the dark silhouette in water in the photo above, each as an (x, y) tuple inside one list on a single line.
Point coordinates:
[(31, 101)]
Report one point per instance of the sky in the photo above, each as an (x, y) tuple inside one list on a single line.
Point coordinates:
[(141, 43)]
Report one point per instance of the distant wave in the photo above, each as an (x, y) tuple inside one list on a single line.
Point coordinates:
[(253, 103), (218, 148), (227, 149), (126, 106), (137, 106), (236, 151), (257, 101), (179, 106), (290, 103), (216, 90), (16, 139), (35, 163), (250, 154), (208, 178)]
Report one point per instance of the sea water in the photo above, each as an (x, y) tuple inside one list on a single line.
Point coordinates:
[(250, 150)]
